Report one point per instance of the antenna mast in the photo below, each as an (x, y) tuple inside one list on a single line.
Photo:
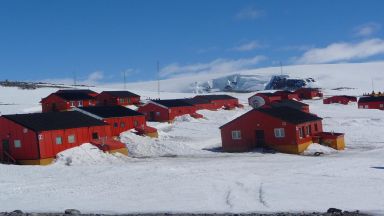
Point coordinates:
[(158, 79), (281, 68), (125, 79), (74, 79)]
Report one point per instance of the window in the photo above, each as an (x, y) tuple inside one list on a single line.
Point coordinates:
[(308, 130), (361, 106), (135, 123), (80, 103), (129, 100), (236, 135), (366, 106), (301, 132), (71, 139), (72, 103), (158, 113), (115, 125), (279, 132), (95, 135), (122, 124), (25, 130), (59, 140), (381, 105), (17, 143)]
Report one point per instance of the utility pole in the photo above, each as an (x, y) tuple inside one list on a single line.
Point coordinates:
[(125, 79), (74, 79), (158, 79), (281, 68)]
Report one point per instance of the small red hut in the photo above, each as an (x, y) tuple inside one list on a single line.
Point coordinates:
[(371, 102), (119, 118), (309, 93), (282, 128), (287, 95), (292, 104), (63, 100), (341, 99), (200, 103), (113, 98), (166, 110), (37, 138), (260, 99), (220, 101)]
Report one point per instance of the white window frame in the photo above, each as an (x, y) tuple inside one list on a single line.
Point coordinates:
[(17, 143), (366, 106), (80, 103), (236, 134), (59, 138), (301, 132), (279, 132), (381, 105), (71, 138), (72, 103)]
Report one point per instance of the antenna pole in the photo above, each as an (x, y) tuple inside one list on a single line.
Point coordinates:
[(125, 80), (158, 79), (281, 68), (74, 79)]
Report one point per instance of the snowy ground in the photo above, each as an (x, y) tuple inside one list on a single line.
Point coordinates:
[(183, 171)]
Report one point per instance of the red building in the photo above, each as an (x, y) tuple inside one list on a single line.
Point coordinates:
[(200, 103), (37, 138), (113, 98), (371, 102), (220, 101), (261, 99), (119, 118), (287, 95), (292, 104), (282, 128), (308, 93), (63, 100), (166, 110), (85, 91), (341, 99)]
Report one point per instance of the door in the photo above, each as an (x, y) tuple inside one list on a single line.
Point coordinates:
[(54, 108), (5, 144), (259, 138), (151, 116)]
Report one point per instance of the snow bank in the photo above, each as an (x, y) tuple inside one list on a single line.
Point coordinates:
[(87, 154), (317, 148)]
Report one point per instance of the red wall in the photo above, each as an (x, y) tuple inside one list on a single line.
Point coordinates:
[(217, 104), (371, 105), (105, 99), (128, 123), (267, 99), (12, 131), (308, 93), (61, 104), (44, 142), (49, 148), (164, 113), (254, 120), (337, 99)]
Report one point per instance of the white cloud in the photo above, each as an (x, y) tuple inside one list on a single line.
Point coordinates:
[(94, 78), (218, 65), (338, 52), (249, 13), (367, 29), (248, 46)]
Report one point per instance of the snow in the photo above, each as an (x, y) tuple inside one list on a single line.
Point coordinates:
[(87, 154), (317, 148), (184, 170)]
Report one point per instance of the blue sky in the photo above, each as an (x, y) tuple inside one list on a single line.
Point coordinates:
[(98, 40)]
